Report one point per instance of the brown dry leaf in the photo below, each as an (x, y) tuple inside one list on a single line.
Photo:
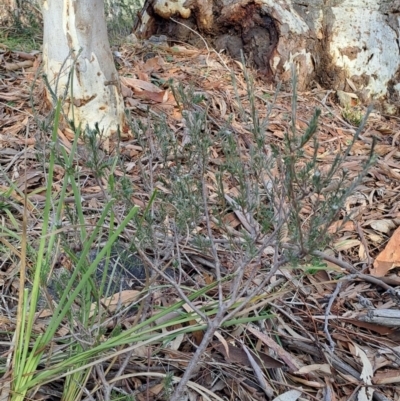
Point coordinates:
[(176, 114), (323, 368), (293, 364), (158, 97), (142, 75), (182, 51), (122, 298), (391, 170), (343, 245), (199, 334), (382, 330), (362, 253), (5, 390), (383, 226), (32, 73), (157, 389), (224, 343), (384, 359), (339, 226), (12, 96), (375, 238), (231, 220), (67, 136), (138, 202), (208, 278), (138, 85), (94, 203), (6, 324), (322, 280), (146, 90), (387, 377), (382, 149), (15, 129), (18, 66), (92, 190), (384, 129), (179, 358), (211, 85), (167, 108), (126, 92), (389, 258), (361, 354), (14, 195), (153, 64), (24, 55), (132, 102), (29, 179), (43, 314), (219, 105), (333, 266), (238, 355), (309, 383)]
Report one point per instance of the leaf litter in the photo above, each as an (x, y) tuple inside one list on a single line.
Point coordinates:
[(325, 339)]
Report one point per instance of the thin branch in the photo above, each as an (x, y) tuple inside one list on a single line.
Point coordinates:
[(328, 311), (194, 365)]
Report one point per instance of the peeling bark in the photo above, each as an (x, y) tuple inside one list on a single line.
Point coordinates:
[(76, 53), (240, 26), (351, 45)]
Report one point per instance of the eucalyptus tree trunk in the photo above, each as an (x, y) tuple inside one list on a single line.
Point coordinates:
[(348, 45), (79, 64)]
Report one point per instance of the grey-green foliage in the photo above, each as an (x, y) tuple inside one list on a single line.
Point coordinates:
[(306, 183), (183, 165), (270, 186), (243, 170), (94, 158), (168, 388), (117, 396), (274, 184)]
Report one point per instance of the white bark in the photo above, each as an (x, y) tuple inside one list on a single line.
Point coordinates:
[(358, 40), (75, 36), (363, 43)]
